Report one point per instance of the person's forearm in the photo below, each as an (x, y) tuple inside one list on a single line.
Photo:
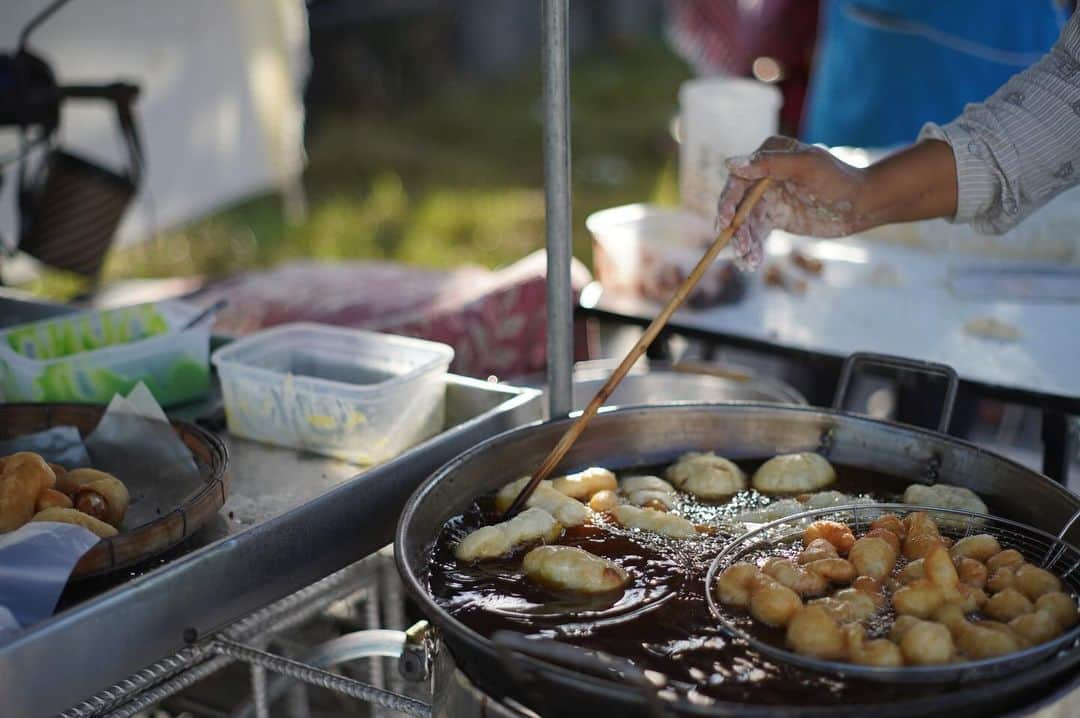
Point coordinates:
[(918, 182)]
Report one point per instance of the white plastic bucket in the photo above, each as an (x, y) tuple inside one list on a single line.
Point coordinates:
[(720, 117)]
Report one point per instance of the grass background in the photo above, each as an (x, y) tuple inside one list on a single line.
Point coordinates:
[(454, 177)]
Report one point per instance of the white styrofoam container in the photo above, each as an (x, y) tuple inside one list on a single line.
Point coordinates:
[(354, 395)]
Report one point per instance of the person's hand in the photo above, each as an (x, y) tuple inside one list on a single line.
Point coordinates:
[(812, 193)]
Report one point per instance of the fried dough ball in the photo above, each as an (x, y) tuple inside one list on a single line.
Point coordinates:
[(1036, 627), (834, 570), (849, 604), (913, 571), (972, 572), (836, 533), (737, 582), (603, 501), (566, 510), (648, 498), (952, 617), (1033, 581), (51, 498), (927, 643), (659, 522), (968, 598), (919, 598), (902, 625), (24, 477), (813, 632), (982, 640), (922, 535), (918, 545), (1060, 605), (885, 535), (878, 652), (944, 496), (1002, 578), (891, 523), (794, 473), (865, 601), (773, 603), (573, 569), (795, 577), (706, 475), (645, 483), (872, 556), (919, 522), (488, 542), (1008, 557), (584, 484), (1006, 605), (869, 585), (941, 571), (980, 547), (818, 550)]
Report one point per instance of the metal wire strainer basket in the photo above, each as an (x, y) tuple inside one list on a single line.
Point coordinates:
[(1038, 547)]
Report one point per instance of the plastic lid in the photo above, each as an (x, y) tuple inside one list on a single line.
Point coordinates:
[(730, 94)]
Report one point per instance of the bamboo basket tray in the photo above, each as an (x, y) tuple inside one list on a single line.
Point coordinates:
[(142, 542)]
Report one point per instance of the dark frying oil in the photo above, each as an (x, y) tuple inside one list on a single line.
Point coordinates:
[(662, 621)]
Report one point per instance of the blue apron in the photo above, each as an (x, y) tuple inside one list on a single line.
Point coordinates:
[(884, 67)]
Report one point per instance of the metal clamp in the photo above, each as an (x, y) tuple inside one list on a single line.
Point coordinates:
[(513, 647), (417, 653), (900, 364)]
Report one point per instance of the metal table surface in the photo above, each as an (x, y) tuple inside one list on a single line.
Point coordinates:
[(846, 311), (290, 519), (849, 310)]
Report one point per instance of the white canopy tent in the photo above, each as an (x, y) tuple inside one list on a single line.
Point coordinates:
[(221, 103)]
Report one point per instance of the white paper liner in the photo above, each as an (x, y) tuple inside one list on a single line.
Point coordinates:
[(134, 442)]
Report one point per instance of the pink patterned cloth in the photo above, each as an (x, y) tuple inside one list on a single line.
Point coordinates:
[(495, 320)]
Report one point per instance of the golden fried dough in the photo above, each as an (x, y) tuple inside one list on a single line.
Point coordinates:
[(78, 518), (488, 542), (813, 632), (660, 522), (573, 569), (566, 510), (584, 484), (794, 473), (24, 477), (706, 475), (774, 604), (835, 533)]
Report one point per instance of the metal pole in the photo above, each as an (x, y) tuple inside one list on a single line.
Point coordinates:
[(560, 310)]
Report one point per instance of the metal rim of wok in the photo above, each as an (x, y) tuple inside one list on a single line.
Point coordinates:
[(1057, 551), (906, 452)]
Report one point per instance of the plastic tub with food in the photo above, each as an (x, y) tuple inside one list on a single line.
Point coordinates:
[(648, 250), (90, 356), (350, 394)]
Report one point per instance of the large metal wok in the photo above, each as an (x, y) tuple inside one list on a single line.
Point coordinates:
[(555, 679)]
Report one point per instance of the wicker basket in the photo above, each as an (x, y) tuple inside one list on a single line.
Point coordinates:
[(149, 539)]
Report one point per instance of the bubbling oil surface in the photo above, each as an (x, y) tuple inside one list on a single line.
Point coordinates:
[(661, 621)]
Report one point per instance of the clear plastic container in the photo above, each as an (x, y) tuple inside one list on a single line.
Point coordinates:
[(647, 250), (354, 395), (720, 117), (89, 357)]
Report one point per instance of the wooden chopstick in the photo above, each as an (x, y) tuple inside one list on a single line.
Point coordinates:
[(749, 200)]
